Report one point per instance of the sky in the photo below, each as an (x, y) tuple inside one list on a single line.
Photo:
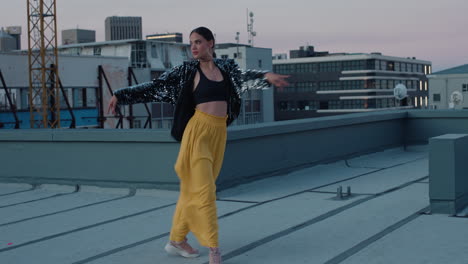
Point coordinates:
[(433, 30)]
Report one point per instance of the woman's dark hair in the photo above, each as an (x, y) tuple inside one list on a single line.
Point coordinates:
[(206, 34)]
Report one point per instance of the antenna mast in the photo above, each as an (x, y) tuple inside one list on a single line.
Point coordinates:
[(250, 31)]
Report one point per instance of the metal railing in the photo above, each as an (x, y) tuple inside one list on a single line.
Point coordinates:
[(12, 106)]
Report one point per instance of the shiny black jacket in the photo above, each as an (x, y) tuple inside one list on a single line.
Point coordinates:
[(176, 87)]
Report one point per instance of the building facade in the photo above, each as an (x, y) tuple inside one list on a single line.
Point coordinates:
[(10, 39), (257, 105), (149, 58), (78, 75), (15, 32), (121, 28), (347, 83), (446, 88), (75, 36)]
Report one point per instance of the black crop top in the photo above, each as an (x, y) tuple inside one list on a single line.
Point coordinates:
[(208, 90)]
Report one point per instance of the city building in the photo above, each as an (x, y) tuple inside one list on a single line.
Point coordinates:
[(15, 31), (306, 51), (280, 56), (10, 39), (75, 36), (149, 58), (334, 84), (257, 104), (169, 37), (120, 28), (79, 76), (449, 88)]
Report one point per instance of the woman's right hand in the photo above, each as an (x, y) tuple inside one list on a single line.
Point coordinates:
[(112, 105)]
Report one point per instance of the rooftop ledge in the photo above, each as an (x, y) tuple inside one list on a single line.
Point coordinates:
[(117, 157)]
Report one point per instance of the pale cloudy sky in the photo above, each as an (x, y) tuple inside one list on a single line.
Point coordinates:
[(434, 30)]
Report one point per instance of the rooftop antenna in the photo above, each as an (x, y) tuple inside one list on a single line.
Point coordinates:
[(250, 31), (237, 40)]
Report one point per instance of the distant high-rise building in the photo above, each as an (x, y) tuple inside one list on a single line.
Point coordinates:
[(7, 42), (76, 36), (280, 56), (169, 37), (306, 52), (120, 28), (15, 32)]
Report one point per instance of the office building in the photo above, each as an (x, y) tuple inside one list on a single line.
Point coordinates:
[(449, 88), (121, 28), (75, 36), (15, 32), (331, 84), (257, 104), (10, 39)]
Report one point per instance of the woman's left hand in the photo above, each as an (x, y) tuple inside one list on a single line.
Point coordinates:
[(277, 80)]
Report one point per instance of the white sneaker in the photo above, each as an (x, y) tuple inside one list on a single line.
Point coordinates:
[(173, 249)]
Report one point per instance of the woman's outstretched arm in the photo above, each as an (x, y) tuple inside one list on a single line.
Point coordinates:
[(258, 79), (163, 89)]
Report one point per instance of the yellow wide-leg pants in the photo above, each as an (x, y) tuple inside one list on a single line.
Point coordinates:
[(198, 165)]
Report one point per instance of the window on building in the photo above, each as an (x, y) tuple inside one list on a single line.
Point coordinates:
[(402, 67), (283, 105), (370, 65), (369, 84), (306, 105), (91, 97), (154, 52), (79, 97), (465, 87), (436, 97), (260, 63), (377, 65), (256, 106), (136, 123), (323, 104), (390, 66), (383, 65), (97, 51), (247, 106), (138, 55), (224, 56)]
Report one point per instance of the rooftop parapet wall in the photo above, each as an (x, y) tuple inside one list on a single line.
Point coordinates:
[(145, 158)]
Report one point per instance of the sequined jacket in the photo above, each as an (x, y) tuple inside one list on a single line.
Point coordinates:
[(176, 87)]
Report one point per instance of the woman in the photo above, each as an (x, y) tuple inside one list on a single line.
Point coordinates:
[(206, 92)]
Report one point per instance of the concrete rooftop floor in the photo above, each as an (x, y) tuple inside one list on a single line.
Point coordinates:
[(293, 218)]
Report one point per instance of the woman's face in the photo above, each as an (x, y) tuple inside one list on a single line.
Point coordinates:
[(200, 47)]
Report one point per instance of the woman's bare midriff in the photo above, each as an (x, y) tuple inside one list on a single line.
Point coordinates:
[(216, 108)]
